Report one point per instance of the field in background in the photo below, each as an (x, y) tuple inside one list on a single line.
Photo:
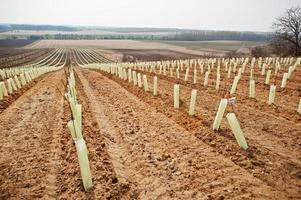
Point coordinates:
[(135, 45), (142, 50), (14, 43), (215, 45)]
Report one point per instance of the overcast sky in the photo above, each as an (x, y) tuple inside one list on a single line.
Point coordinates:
[(252, 15)]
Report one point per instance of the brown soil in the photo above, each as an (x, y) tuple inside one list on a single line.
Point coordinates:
[(140, 147), (32, 128), (7, 101), (152, 55), (160, 157), (116, 44), (272, 157)]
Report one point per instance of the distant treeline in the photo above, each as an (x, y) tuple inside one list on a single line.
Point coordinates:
[(132, 33), (32, 27), (14, 27), (180, 36), (90, 37), (218, 35), (134, 30)]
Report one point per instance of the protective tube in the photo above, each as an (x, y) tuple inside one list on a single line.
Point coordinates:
[(1, 93), (229, 72), (234, 85), (155, 86), (130, 75), (235, 127), (9, 86), (206, 79), (70, 125), (218, 79), (220, 113), (194, 76), (284, 79), (13, 84), (124, 74), (134, 78), (23, 80), (83, 160), (186, 74), (139, 80), (145, 83), (267, 78), (251, 74), (252, 89), (192, 102), (176, 96), (272, 94), (3, 88), (17, 82)]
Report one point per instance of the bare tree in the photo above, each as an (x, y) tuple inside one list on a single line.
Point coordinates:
[(288, 27)]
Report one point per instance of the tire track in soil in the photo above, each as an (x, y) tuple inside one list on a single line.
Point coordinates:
[(265, 165), (106, 184), (159, 156), (31, 129)]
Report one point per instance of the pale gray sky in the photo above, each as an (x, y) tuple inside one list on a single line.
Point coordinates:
[(252, 15)]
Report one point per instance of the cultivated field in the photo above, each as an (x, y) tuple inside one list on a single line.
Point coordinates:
[(217, 46), (77, 124), (121, 45)]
